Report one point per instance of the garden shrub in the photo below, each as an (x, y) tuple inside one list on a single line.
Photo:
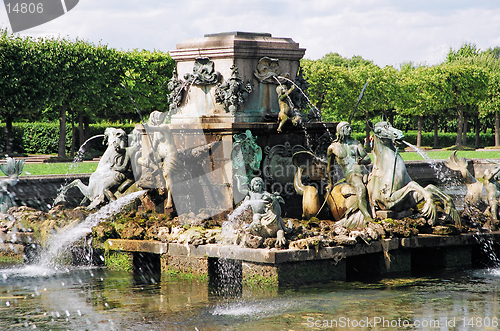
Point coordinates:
[(43, 138)]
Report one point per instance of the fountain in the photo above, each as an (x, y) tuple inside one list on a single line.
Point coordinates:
[(232, 191), (234, 102)]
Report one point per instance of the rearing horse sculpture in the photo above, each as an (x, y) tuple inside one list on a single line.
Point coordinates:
[(112, 173), (389, 185)]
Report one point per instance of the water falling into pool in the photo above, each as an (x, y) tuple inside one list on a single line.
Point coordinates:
[(48, 261)]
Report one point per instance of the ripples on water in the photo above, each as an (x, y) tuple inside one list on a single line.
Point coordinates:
[(97, 299)]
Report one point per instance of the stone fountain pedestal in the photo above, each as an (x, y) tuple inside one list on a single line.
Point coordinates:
[(225, 87), (257, 56)]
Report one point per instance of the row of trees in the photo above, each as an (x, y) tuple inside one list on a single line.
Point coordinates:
[(48, 78), (465, 86), (51, 78)]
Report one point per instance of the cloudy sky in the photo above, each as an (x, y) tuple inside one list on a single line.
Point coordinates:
[(388, 32)]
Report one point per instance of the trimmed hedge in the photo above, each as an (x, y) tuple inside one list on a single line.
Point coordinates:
[(43, 138), (447, 139)]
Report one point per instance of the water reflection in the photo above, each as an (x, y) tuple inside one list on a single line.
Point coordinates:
[(96, 299)]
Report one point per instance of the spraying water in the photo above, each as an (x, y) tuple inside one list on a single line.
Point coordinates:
[(81, 151), (48, 260), (233, 223), (78, 158), (312, 107), (487, 246), (449, 182)]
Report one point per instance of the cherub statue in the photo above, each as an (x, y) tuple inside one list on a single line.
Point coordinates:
[(286, 108), (267, 221)]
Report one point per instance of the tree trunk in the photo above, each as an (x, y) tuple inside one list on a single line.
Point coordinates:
[(478, 130), (460, 125), (391, 116), (497, 129), (367, 128), (81, 134), (436, 127), (8, 134), (464, 139), (86, 128), (72, 112), (419, 131), (61, 153)]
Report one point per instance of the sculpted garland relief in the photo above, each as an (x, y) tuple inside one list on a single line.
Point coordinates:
[(203, 73), (233, 92)]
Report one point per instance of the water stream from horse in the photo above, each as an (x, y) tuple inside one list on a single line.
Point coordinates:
[(47, 262), (448, 182), (79, 158)]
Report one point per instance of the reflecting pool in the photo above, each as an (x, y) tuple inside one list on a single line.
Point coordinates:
[(99, 299)]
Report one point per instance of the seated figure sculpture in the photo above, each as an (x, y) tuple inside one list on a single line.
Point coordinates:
[(266, 221), (352, 158), (387, 188)]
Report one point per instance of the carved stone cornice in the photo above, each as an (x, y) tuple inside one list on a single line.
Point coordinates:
[(238, 45)]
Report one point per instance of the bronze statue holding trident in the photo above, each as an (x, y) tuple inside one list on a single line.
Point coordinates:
[(352, 158)]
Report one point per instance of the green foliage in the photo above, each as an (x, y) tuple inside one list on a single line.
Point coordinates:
[(58, 168), (261, 281), (42, 138), (46, 78), (185, 275), (330, 89), (467, 50), (445, 139), (146, 79), (118, 261), (336, 59), (491, 103)]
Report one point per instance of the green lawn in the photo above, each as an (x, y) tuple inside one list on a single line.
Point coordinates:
[(441, 154), (62, 168)]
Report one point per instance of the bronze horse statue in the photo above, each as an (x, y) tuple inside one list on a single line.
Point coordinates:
[(113, 173), (391, 188)]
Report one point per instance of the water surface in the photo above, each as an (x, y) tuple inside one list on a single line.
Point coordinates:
[(97, 299)]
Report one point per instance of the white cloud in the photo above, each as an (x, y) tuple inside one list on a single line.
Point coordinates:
[(385, 31)]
